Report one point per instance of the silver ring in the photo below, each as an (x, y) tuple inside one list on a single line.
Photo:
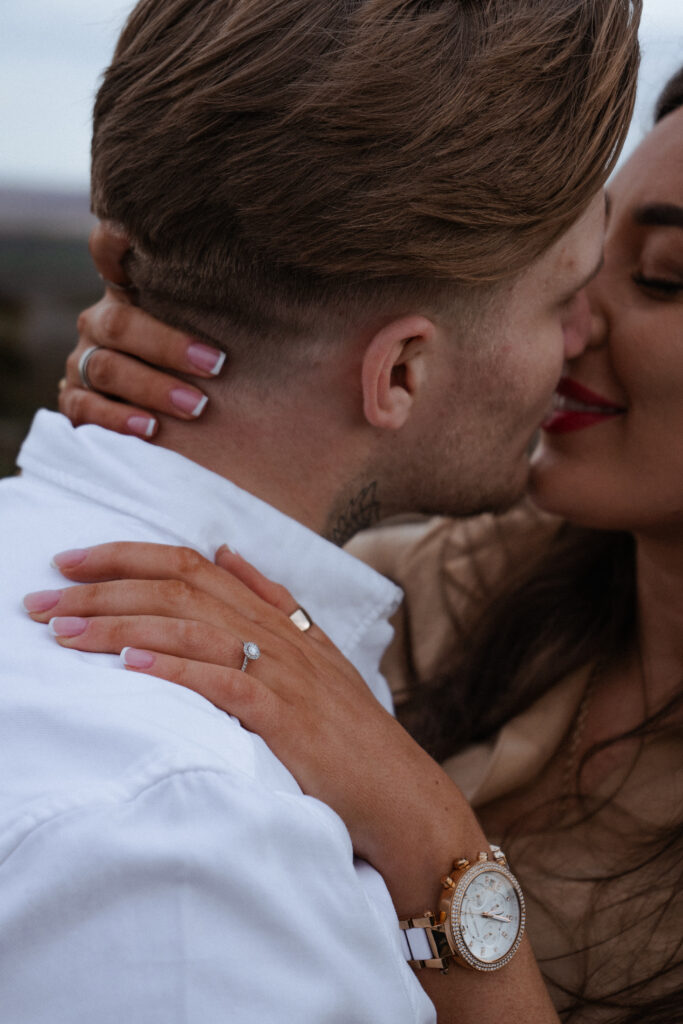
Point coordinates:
[(301, 619), (83, 366), (252, 652)]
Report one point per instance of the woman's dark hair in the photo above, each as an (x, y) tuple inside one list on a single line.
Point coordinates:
[(671, 96), (541, 627), (574, 607)]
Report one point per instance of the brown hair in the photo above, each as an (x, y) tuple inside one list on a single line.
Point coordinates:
[(279, 162), (671, 96)]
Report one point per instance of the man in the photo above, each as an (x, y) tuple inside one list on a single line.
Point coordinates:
[(370, 206)]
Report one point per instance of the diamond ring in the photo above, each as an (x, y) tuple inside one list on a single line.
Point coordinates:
[(252, 651)]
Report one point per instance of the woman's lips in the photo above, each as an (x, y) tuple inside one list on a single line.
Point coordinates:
[(576, 406)]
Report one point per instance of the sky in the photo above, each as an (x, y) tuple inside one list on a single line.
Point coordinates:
[(53, 51)]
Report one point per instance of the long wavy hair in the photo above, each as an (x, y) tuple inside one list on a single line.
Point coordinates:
[(575, 607)]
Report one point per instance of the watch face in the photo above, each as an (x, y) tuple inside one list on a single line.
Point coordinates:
[(487, 916)]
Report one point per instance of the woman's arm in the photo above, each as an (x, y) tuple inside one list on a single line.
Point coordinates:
[(185, 620)]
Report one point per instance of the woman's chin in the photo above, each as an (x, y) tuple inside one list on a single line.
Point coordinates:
[(591, 493), (560, 487)]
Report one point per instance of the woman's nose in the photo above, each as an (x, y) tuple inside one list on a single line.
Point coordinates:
[(597, 332)]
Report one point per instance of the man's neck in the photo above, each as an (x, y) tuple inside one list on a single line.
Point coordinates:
[(296, 464)]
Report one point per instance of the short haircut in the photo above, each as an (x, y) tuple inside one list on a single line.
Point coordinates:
[(671, 96), (281, 164)]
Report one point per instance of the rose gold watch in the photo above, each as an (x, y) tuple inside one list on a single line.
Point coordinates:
[(481, 918)]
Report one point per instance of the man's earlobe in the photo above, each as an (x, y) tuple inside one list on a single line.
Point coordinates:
[(393, 370)]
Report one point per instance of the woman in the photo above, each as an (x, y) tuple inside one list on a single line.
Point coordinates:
[(551, 654)]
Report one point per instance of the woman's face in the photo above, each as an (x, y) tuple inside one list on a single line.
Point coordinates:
[(612, 457)]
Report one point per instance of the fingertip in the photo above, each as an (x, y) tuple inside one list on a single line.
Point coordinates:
[(224, 554), (69, 559), (142, 426), (205, 358), (133, 657)]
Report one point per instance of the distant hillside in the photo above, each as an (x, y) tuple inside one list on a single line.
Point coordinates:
[(46, 213), (46, 278)]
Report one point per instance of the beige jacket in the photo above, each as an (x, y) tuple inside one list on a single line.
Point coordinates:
[(448, 570), (604, 936)]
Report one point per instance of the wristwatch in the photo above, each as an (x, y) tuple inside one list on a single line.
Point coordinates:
[(481, 918)]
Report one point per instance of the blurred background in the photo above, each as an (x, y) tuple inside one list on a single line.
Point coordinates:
[(51, 56)]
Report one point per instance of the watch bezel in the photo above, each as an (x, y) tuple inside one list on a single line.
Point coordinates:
[(453, 928)]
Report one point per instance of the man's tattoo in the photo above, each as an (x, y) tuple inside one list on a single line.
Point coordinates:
[(361, 512)]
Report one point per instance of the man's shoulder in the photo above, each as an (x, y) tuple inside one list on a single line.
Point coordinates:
[(74, 721)]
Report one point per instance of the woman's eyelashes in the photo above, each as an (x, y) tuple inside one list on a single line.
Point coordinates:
[(659, 285)]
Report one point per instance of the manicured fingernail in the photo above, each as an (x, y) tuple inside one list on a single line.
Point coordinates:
[(133, 657), (41, 600), (187, 401), (206, 358), (69, 559), (144, 426), (226, 547), (69, 625)]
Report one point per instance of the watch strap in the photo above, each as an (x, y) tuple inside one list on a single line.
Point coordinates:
[(424, 942)]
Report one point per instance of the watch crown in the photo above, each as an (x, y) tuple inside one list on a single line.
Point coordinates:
[(447, 882)]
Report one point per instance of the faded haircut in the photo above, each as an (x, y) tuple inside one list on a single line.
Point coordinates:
[(284, 167)]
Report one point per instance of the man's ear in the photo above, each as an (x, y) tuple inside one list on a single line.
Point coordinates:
[(393, 370), (108, 245)]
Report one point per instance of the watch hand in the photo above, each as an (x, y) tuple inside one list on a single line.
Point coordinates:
[(497, 917)]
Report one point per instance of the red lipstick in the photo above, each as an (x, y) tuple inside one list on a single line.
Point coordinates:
[(576, 406)]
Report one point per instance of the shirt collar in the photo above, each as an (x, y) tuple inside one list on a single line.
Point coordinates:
[(348, 600)]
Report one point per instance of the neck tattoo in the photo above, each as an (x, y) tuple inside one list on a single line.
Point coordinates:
[(360, 513)]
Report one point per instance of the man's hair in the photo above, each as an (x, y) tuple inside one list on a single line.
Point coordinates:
[(280, 165)]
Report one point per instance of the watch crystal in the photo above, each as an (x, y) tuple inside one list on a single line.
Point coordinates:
[(487, 916)]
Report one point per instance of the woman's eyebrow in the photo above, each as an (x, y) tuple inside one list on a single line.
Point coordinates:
[(660, 215)]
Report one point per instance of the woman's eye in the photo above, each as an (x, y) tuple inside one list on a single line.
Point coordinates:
[(661, 285)]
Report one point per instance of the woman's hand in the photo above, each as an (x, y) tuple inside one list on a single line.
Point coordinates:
[(135, 349), (184, 619)]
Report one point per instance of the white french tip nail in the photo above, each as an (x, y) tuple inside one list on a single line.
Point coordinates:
[(150, 428), (50, 624), (123, 653), (220, 363), (200, 406)]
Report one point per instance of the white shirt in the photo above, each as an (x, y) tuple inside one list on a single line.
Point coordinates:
[(157, 862)]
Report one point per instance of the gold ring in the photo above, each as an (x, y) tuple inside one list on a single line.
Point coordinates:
[(301, 619)]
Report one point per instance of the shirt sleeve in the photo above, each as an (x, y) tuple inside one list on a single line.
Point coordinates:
[(198, 897)]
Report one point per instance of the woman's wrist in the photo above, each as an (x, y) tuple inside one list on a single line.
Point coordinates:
[(433, 825)]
